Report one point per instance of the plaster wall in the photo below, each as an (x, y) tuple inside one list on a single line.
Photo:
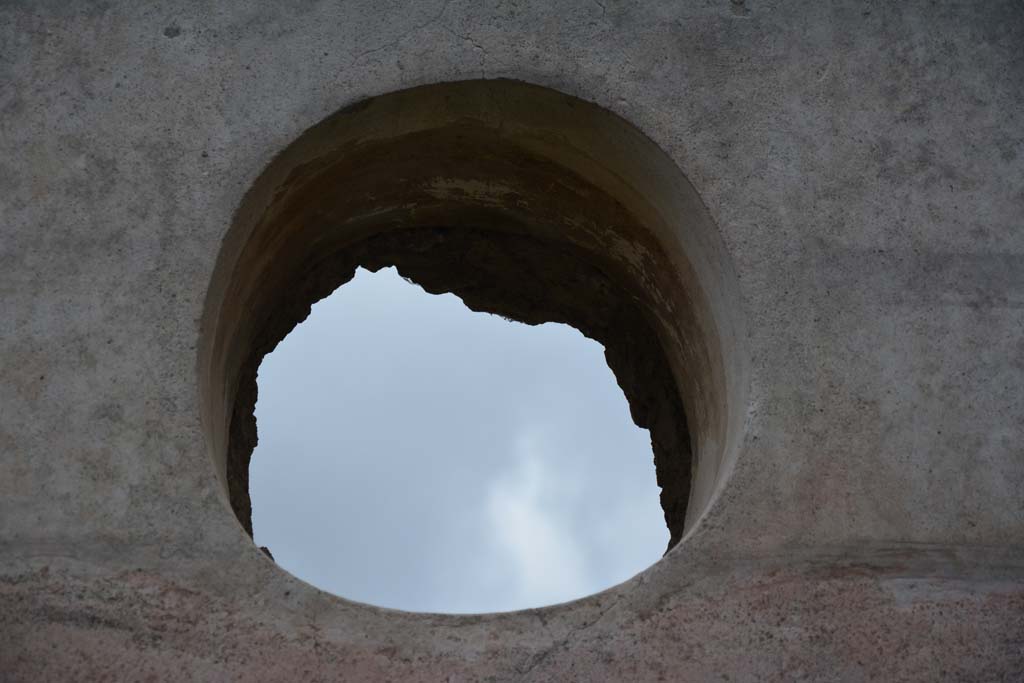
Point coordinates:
[(864, 165)]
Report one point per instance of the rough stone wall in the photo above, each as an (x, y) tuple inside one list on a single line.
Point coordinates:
[(864, 164)]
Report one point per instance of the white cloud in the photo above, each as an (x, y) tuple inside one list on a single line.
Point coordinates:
[(531, 533)]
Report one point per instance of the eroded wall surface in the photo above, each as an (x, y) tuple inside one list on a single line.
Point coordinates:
[(864, 163)]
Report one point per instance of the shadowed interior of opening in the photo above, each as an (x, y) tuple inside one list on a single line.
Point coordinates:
[(416, 455)]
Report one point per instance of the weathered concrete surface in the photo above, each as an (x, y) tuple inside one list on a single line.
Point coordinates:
[(864, 163)]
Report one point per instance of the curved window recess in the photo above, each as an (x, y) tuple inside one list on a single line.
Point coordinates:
[(523, 202)]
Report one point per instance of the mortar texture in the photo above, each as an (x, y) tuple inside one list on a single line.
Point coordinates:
[(864, 164)]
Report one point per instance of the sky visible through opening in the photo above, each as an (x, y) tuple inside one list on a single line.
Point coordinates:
[(417, 455)]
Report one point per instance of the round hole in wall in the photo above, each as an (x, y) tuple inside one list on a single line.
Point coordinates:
[(522, 201)]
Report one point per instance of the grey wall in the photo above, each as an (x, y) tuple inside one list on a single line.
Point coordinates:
[(863, 162)]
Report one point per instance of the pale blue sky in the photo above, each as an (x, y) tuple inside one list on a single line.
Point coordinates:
[(414, 454)]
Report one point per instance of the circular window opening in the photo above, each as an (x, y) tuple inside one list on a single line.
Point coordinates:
[(521, 201), (417, 455)]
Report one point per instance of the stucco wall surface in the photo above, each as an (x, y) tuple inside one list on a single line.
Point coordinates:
[(864, 164)]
